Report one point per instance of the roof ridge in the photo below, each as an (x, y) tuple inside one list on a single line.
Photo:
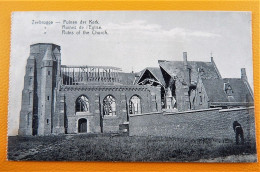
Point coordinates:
[(152, 68)]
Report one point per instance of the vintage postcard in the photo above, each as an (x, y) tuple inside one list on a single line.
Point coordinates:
[(149, 86)]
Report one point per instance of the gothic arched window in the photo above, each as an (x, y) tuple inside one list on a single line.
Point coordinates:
[(30, 82), (30, 98), (28, 118), (135, 105), (82, 104), (109, 105)]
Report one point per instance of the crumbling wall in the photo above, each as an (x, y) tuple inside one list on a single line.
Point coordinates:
[(150, 100), (207, 123)]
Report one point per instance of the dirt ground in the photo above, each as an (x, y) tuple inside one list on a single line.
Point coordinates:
[(232, 158), (113, 147)]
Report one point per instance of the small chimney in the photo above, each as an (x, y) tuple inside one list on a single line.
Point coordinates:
[(186, 69), (185, 61), (243, 74), (211, 59)]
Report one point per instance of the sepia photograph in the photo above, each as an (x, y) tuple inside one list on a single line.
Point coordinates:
[(131, 86)]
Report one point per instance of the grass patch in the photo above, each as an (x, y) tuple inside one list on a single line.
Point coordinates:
[(109, 147)]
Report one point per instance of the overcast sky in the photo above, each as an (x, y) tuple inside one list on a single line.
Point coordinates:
[(135, 40)]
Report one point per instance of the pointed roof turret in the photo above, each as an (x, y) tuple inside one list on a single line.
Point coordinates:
[(48, 54), (56, 50)]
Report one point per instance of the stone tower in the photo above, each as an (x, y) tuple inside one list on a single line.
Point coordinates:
[(40, 90), (28, 95), (48, 73)]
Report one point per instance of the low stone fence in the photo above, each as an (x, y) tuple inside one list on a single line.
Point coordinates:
[(205, 123)]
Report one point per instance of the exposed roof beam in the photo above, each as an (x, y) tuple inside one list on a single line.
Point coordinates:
[(98, 67)]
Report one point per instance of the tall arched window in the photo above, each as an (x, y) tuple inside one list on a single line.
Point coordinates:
[(135, 105), (82, 104), (30, 81), (28, 118), (109, 106), (30, 98)]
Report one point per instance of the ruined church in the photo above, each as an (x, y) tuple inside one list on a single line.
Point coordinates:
[(64, 99)]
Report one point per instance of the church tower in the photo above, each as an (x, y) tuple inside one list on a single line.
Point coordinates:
[(28, 95), (48, 83), (41, 90)]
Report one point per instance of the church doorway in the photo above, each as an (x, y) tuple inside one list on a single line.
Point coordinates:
[(82, 125)]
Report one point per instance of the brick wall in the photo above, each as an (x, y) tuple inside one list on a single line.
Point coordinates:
[(150, 97), (209, 123)]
